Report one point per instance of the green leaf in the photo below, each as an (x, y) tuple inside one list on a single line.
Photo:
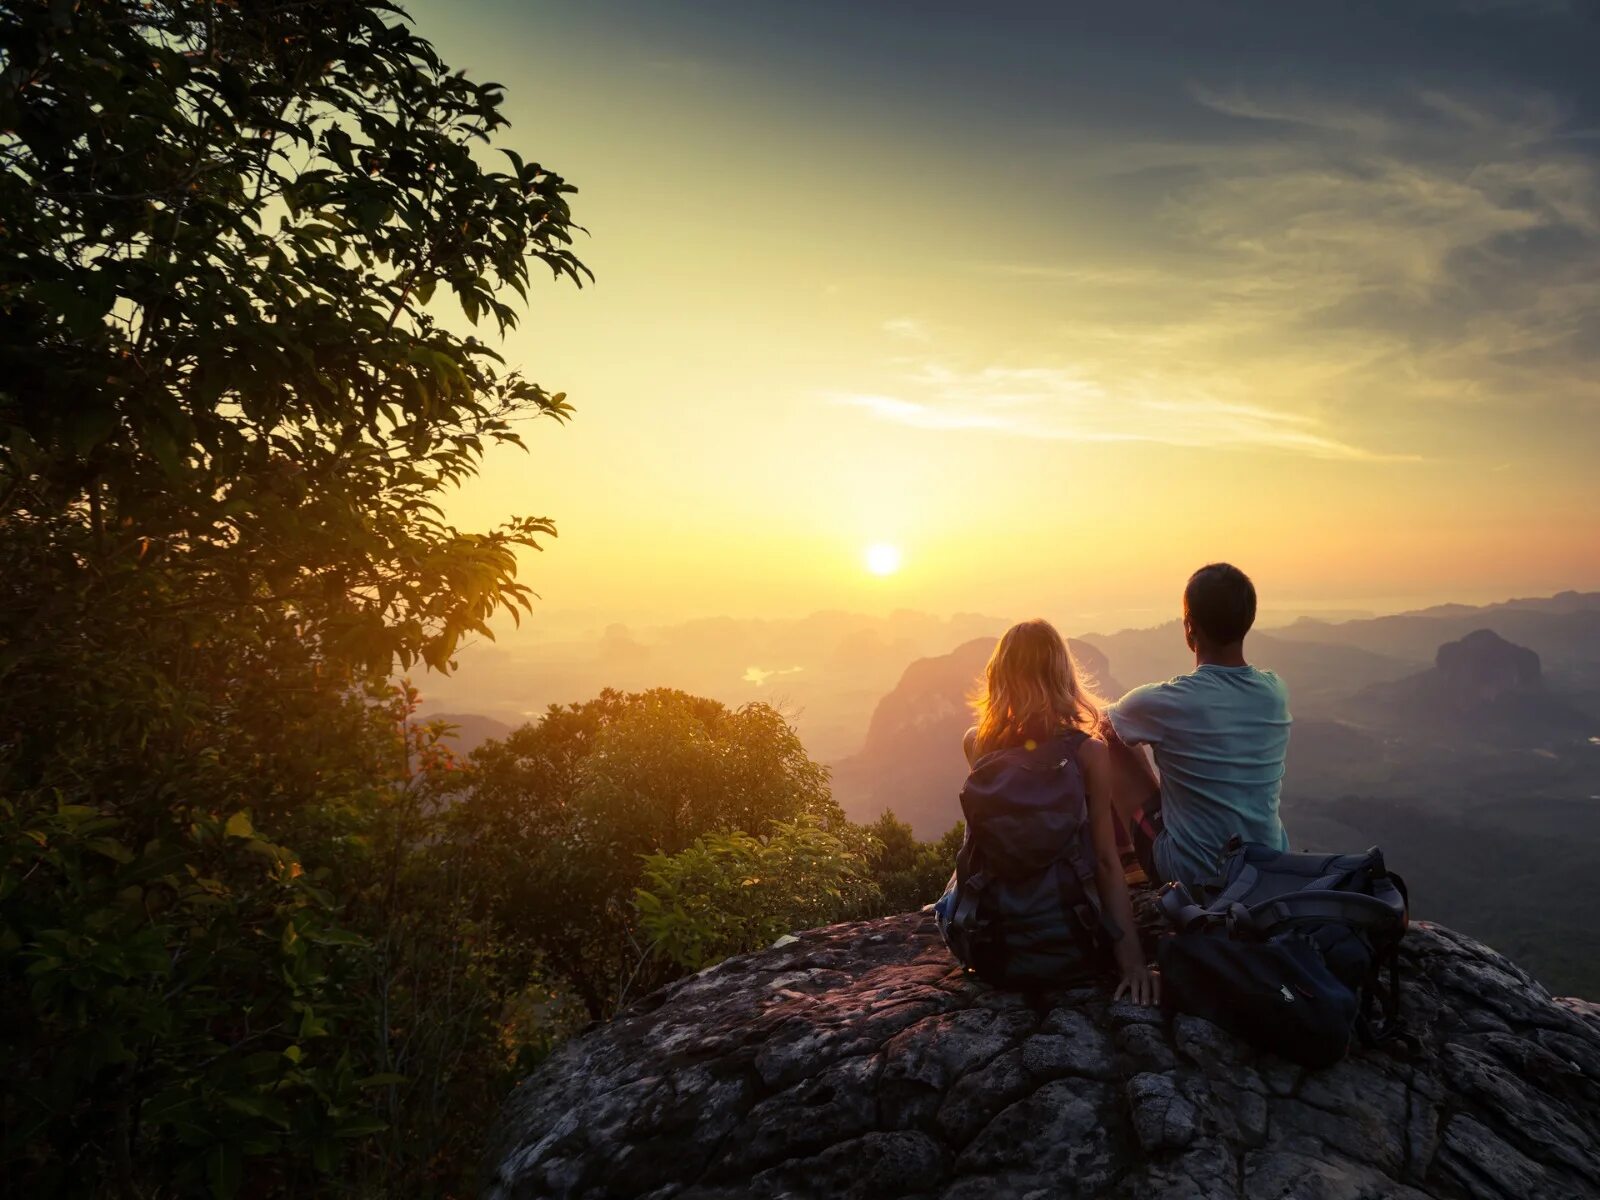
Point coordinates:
[(91, 426), (323, 1152), (268, 1108), (310, 1026), (110, 848), (360, 1126), (167, 1106), (335, 937)]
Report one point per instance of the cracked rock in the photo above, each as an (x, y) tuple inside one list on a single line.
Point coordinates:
[(859, 1061)]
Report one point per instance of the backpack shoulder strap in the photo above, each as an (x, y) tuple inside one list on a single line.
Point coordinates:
[(1350, 908), (1236, 891), (1070, 741)]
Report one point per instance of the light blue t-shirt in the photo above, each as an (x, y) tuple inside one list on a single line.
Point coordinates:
[(1220, 736)]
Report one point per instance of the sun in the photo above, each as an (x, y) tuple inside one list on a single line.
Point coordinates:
[(882, 558)]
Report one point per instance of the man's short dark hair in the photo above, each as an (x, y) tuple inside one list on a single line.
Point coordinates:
[(1221, 603)]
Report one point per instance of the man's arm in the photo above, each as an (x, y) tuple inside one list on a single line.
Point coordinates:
[(1137, 719)]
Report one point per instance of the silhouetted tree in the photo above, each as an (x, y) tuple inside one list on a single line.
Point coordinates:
[(237, 241)]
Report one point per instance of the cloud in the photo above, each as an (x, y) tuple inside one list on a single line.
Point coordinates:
[(1466, 234), (1057, 404), (760, 675), (1296, 109), (909, 328), (1319, 276)]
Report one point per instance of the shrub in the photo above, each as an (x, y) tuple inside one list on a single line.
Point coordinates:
[(557, 818), (730, 892), (909, 873)]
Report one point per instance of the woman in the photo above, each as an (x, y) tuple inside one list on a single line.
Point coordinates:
[(1032, 693)]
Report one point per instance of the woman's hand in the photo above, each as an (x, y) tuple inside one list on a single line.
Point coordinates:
[(1141, 983)]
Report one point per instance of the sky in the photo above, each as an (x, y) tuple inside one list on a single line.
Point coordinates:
[(1059, 301)]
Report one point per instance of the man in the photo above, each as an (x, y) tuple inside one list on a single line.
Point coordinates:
[(1219, 735)]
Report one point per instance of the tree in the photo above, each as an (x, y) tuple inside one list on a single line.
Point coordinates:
[(225, 226), (558, 818), (243, 244)]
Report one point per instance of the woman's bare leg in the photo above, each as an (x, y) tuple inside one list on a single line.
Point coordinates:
[(1133, 780)]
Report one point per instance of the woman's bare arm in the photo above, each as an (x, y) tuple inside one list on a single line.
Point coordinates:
[(1139, 982)]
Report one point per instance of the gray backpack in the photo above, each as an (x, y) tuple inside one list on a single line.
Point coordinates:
[(1288, 951), (1024, 910)]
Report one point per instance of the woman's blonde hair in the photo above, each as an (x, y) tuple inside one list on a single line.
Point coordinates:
[(1031, 689)]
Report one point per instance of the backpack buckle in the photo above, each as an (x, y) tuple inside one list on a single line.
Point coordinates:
[(1241, 925)]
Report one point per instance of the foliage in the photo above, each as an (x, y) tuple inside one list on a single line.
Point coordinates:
[(443, 996), (557, 817), (191, 975), (909, 873), (173, 975), (223, 228), (240, 241), (730, 892)]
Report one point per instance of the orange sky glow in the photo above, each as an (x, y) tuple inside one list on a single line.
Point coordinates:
[(1056, 354)]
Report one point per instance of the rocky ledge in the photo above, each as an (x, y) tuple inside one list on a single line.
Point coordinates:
[(858, 1061)]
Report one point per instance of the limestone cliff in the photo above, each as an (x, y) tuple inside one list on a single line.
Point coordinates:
[(858, 1061)]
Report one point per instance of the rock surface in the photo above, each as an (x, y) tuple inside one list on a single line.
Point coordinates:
[(859, 1061)]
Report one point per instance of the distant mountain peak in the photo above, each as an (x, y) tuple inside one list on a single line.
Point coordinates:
[(470, 730), (1481, 687), (1485, 664)]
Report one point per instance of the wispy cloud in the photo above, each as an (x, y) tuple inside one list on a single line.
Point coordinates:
[(909, 328), (1052, 403), (1297, 109), (760, 675), (1328, 269), (1463, 231)]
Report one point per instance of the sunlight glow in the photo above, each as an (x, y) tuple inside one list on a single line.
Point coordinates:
[(882, 558)]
